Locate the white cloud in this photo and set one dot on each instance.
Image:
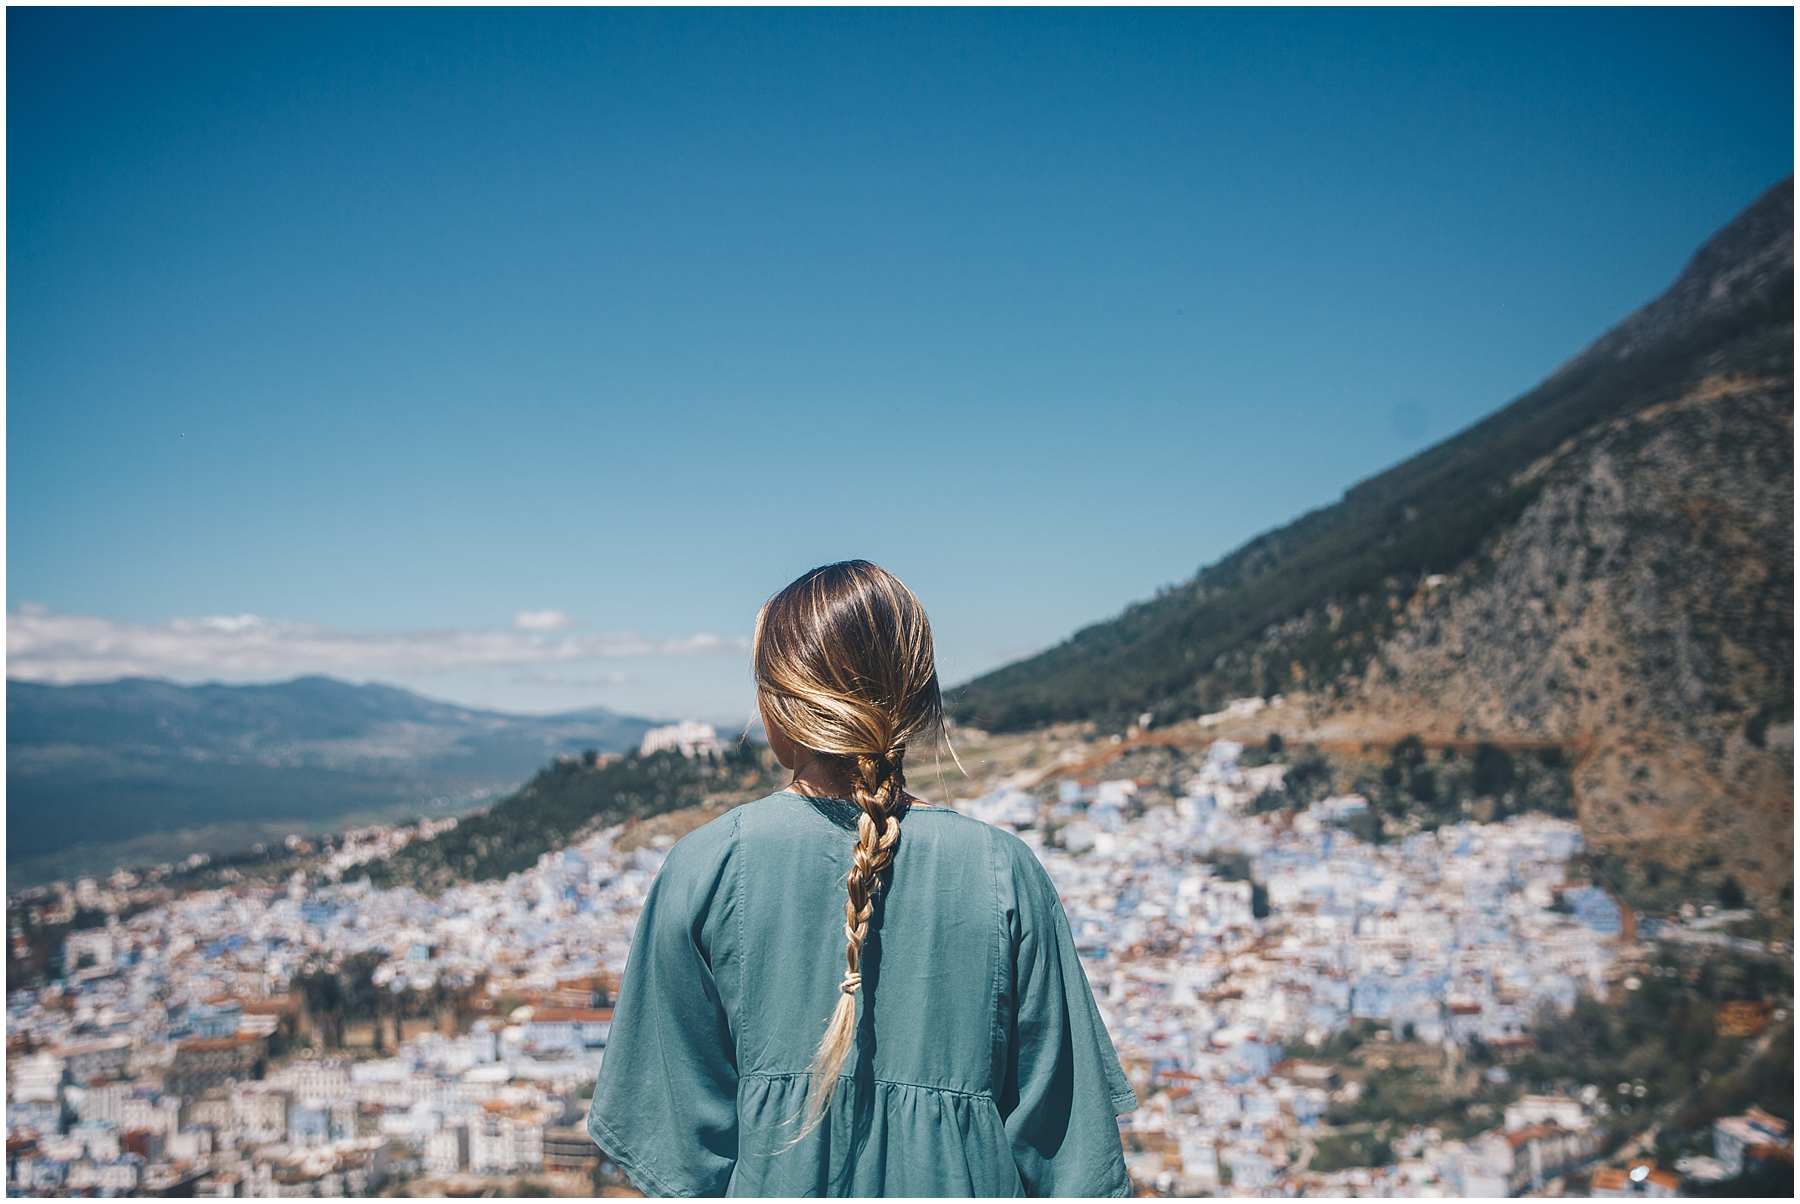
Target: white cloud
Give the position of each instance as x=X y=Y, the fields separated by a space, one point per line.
x=542 y=620
x=230 y=623
x=45 y=646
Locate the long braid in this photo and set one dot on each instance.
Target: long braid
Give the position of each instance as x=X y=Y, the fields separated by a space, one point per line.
x=878 y=786
x=845 y=673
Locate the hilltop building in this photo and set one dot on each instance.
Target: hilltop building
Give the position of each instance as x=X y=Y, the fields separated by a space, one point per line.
x=688 y=738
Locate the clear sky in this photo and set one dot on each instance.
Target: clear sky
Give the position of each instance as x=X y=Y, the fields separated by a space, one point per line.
x=517 y=356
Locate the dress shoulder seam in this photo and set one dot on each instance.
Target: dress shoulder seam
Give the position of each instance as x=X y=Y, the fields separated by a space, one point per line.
x=998 y=1055
x=742 y=871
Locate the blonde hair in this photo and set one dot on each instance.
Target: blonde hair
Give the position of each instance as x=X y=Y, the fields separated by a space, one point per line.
x=844 y=665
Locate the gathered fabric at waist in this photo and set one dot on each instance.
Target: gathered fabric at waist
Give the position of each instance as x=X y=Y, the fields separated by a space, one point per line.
x=878 y=1138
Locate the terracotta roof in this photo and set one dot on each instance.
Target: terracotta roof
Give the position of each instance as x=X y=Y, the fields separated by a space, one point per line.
x=1767 y=1120
x=1519 y=1137
x=276 y=1005
x=576 y=1015
x=213 y=1044
x=1613 y=1178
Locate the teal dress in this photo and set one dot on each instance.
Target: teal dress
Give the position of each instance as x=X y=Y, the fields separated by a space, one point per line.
x=981 y=1065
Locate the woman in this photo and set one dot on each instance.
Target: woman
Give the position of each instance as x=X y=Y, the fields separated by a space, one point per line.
x=942 y=1041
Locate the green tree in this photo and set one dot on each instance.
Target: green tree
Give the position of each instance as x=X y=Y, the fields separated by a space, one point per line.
x=1494 y=770
x=1731 y=894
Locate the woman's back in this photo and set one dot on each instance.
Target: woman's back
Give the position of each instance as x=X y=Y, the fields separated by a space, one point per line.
x=980 y=1065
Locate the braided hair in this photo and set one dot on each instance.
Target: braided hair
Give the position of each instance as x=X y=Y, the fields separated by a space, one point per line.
x=845 y=667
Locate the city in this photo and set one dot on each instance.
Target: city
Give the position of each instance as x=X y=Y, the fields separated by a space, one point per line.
x=1240 y=956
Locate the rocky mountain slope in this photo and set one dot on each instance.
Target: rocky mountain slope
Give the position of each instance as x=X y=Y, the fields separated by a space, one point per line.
x=1606 y=562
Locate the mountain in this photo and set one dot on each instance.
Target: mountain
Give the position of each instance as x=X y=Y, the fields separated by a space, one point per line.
x=1606 y=562
x=145 y=769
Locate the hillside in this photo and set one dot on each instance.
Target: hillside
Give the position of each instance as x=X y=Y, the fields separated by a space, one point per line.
x=1605 y=562
x=145 y=769
x=564 y=799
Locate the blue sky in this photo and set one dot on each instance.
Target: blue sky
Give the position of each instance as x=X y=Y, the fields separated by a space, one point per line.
x=515 y=357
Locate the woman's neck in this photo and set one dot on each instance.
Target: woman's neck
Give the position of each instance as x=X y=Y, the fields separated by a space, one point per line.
x=815 y=780
x=821 y=780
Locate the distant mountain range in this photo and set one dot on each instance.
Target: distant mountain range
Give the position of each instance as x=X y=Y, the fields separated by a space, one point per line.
x=143 y=769
x=1606 y=562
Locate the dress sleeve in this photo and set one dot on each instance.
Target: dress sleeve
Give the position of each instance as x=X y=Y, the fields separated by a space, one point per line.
x=665 y=1103
x=1065 y=1088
